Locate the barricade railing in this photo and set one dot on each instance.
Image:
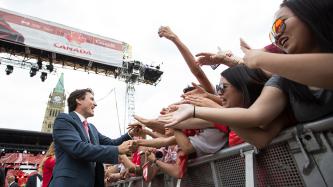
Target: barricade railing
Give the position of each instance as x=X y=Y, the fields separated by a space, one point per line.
x=300 y=156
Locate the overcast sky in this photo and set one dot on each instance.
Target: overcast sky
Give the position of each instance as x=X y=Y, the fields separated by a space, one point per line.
x=202 y=25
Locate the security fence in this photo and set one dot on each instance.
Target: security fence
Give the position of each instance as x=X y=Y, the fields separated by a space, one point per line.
x=299 y=156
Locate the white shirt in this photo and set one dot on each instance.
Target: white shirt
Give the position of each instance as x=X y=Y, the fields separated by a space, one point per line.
x=82 y=119
x=80 y=116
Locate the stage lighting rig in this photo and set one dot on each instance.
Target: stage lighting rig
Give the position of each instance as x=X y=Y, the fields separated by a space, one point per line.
x=50 y=67
x=40 y=63
x=9 y=69
x=33 y=71
x=43 y=76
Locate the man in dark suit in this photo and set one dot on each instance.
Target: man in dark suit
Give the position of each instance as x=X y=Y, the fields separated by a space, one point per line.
x=80 y=149
x=34 y=180
x=11 y=181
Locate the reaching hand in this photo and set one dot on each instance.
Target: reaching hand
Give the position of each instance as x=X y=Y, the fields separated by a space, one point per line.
x=135 y=129
x=244 y=44
x=171 y=108
x=167 y=33
x=142 y=120
x=250 y=55
x=125 y=174
x=181 y=113
x=222 y=57
x=127 y=146
x=150 y=154
x=198 y=91
x=201 y=101
x=136 y=125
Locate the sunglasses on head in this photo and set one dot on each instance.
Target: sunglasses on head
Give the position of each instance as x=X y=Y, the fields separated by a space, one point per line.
x=278 y=28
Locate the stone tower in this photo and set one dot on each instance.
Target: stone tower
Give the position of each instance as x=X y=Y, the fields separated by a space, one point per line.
x=55 y=105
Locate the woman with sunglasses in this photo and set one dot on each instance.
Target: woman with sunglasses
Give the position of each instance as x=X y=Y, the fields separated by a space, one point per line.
x=306 y=32
x=303 y=28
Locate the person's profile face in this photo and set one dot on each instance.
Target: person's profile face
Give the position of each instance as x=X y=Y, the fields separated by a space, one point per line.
x=230 y=96
x=87 y=105
x=293 y=36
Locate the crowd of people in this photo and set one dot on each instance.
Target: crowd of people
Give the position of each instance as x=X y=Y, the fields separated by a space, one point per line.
x=39 y=178
x=287 y=82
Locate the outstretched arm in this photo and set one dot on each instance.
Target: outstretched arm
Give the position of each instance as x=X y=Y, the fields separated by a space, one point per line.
x=184 y=142
x=150 y=123
x=222 y=57
x=193 y=123
x=266 y=108
x=173 y=170
x=188 y=57
x=261 y=137
x=315 y=69
x=199 y=91
x=157 y=142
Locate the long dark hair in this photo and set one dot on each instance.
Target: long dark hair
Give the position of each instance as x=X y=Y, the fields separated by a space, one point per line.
x=318 y=16
x=248 y=81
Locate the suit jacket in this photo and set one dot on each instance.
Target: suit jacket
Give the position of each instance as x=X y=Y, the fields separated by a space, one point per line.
x=32 y=180
x=14 y=185
x=79 y=161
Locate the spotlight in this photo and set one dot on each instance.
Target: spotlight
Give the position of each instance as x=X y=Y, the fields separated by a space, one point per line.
x=25 y=151
x=9 y=69
x=43 y=152
x=152 y=75
x=33 y=71
x=2 y=152
x=43 y=76
x=40 y=63
x=49 y=67
x=136 y=68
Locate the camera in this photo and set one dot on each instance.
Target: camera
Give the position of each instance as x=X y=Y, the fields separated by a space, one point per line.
x=159 y=154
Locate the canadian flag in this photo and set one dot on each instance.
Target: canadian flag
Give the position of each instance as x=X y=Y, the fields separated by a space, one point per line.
x=145 y=171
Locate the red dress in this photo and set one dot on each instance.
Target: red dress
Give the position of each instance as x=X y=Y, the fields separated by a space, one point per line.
x=47 y=170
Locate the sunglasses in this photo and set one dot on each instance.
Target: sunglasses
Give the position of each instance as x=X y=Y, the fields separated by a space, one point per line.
x=220 y=89
x=278 y=28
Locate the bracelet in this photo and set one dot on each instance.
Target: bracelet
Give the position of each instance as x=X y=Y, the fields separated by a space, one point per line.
x=193 y=111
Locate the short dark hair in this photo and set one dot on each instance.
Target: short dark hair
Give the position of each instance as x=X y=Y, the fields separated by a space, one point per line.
x=77 y=94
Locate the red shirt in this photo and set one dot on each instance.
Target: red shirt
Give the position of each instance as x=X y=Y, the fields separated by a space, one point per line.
x=47 y=170
x=136 y=158
x=221 y=128
x=191 y=132
x=234 y=139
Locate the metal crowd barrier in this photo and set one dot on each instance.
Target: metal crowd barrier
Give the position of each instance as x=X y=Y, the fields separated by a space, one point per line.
x=299 y=156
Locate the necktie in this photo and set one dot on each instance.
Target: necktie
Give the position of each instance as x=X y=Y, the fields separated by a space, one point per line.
x=85 y=125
